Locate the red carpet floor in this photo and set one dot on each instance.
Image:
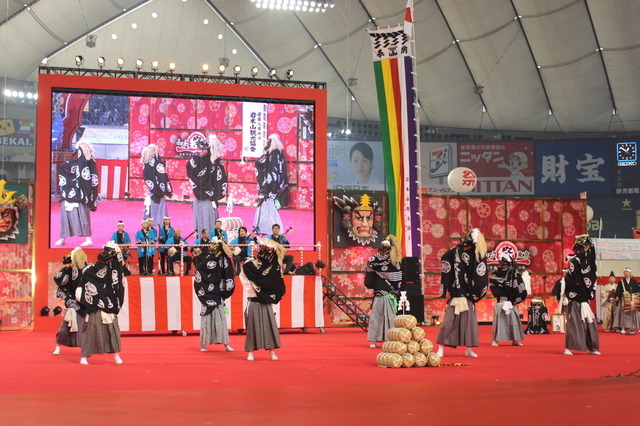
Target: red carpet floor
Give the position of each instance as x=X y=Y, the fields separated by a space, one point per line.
x=319 y=379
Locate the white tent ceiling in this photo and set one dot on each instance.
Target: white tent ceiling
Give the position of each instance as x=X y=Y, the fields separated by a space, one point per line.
x=540 y=66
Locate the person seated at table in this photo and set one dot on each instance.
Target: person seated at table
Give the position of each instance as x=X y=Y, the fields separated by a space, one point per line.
x=242 y=251
x=220 y=233
x=178 y=247
x=200 y=253
x=121 y=237
x=282 y=240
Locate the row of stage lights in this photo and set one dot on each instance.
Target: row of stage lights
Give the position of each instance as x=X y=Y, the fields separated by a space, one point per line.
x=171 y=67
x=8 y=93
x=295 y=5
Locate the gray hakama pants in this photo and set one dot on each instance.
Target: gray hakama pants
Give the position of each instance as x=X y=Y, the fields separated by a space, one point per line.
x=266 y=216
x=380 y=319
x=626 y=320
x=65 y=337
x=204 y=215
x=459 y=330
x=262 y=328
x=581 y=335
x=75 y=223
x=213 y=328
x=506 y=326
x=158 y=211
x=100 y=338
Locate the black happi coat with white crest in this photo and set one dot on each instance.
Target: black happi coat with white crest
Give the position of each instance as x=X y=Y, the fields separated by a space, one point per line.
x=208 y=178
x=214 y=281
x=78 y=181
x=68 y=279
x=156 y=179
x=507 y=282
x=103 y=287
x=462 y=275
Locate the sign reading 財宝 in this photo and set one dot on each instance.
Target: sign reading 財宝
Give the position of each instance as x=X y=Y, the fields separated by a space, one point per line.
x=565 y=167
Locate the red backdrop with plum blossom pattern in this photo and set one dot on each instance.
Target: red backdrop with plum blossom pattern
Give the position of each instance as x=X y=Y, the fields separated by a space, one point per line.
x=545 y=227
x=165 y=120
x=16 y=274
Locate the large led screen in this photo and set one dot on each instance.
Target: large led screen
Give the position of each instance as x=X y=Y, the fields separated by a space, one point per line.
x=152 y=150
x=111 y=150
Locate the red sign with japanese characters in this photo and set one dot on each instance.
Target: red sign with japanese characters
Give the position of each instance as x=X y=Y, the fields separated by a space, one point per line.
x=503 y=168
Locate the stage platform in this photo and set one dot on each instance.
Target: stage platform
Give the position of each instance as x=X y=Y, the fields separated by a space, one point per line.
x=170 y=304
x=319 y=379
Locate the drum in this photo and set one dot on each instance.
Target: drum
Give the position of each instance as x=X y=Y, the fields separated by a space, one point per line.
x=426 y=346
x=231 y=225
x=433 y=360
x=627 y=302
x=413 y=347
x=407 y=321
x=399 y=334
x=417 y=334
x=394 y=347
x=407 y=360
x=635 y=302
x=419 y=359
x=386 y=359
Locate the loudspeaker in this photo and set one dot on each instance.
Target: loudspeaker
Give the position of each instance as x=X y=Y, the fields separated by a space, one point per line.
x=306 y=269
x=412 y=289
x=411 y=270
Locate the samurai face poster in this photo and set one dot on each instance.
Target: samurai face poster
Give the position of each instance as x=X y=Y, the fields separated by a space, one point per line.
x=13 y=212
x=359 y=218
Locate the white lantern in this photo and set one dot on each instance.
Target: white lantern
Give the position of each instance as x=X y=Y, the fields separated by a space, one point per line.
x=462 y=179
x=589 y=213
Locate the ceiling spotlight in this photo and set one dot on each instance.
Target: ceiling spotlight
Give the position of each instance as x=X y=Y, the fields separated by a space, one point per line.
x=289 y=74
x=273 y=72
x=79 y=60
x=221 y=68
x=154 y=65
x=236 y=69
x=205 y=69
x=101 y=61
x=254 y=71
x=172 y=66
x=139 y=63
x=120 y=62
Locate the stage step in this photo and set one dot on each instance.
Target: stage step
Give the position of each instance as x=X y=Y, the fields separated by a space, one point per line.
x=346 y=305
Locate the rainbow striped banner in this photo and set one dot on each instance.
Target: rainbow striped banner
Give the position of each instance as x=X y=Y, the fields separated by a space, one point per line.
x=395 y=82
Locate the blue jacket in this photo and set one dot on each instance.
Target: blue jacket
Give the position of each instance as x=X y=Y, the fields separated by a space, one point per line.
x=164 y=236
x=214 y=233
x=150 y=238
x=126 y=239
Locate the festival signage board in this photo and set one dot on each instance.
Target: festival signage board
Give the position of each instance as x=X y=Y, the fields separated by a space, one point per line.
x=437 y=159
x=565 y=167
x=503 y=168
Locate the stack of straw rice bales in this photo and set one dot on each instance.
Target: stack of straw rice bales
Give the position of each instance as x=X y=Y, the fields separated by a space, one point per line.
x=407 y=346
